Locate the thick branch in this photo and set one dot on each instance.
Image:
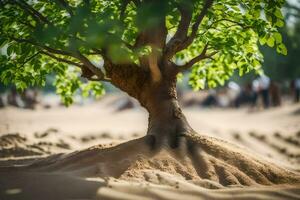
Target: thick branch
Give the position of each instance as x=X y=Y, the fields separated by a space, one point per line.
x=200 y=17
x=188 y=40
x=186 y=17
x=86 y=62
x=182 y=29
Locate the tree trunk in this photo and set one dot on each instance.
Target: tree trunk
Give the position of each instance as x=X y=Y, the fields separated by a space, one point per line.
x=166 y=122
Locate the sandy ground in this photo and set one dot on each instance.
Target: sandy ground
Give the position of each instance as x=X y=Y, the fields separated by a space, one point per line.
x=31 y=136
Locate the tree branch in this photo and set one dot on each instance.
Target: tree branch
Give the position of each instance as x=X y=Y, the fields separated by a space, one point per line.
x=30 y=58
x=200 y=17
x=99 y=79
x=26 y=24
x=182 y=29
x=196 y=59
x=81 y=66
x=51 y=50
x=124 y=4
x=62 y=59
x=86 y=62
x=34 y=13
x=88 y=69
x=234 y=22
x=66 y=6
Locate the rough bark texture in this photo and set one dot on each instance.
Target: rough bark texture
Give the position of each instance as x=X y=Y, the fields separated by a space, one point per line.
x=166 y=121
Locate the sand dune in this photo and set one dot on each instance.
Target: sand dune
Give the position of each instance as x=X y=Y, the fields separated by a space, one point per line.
x=133 y=171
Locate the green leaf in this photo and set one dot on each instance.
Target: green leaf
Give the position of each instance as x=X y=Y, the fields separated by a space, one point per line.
x=278 y=13
x=270 y=42
x=262 y=40
x=278 y=37
x=281 y=48
x=279 y=23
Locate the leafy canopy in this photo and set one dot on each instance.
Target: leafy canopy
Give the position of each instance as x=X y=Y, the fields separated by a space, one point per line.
x=71 y=38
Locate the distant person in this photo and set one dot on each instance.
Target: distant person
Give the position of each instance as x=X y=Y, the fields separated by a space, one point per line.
x=223 y=99
x=245 y=96
x=275 y=94
x=255 y=92
x=264 y=85
x=233 y=92
x=297 y=90
x=29 y=98
x=211 y=99
x=12 y=98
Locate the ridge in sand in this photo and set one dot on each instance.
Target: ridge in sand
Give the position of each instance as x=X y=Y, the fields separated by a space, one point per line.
x=211 y=169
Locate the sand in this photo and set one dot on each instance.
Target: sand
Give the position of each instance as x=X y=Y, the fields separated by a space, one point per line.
x=50 y=154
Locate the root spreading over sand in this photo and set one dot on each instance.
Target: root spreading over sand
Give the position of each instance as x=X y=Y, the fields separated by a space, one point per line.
x=208 y=158
x=133 y=171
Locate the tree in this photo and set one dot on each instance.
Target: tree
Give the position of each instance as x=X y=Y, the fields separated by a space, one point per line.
x=141 y=43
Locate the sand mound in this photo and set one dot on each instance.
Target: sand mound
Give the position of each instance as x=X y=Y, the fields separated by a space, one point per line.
x=205 y=158
x=133 y=171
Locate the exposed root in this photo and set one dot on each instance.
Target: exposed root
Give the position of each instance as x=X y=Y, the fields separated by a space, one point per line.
x=201 y=159
x=233 y=165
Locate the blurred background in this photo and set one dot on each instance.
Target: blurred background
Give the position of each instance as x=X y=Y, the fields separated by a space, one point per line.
x=259 y=112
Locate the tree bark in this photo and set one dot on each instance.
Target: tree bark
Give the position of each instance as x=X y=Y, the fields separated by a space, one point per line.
x=166 y=121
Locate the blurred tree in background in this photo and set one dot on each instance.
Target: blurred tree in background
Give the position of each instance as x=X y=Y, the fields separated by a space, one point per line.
x=280 y=67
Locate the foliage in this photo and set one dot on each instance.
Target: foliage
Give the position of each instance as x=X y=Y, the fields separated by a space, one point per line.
x=280 y=67
x=67 y=84
x=42 y=37
x=235 y=30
